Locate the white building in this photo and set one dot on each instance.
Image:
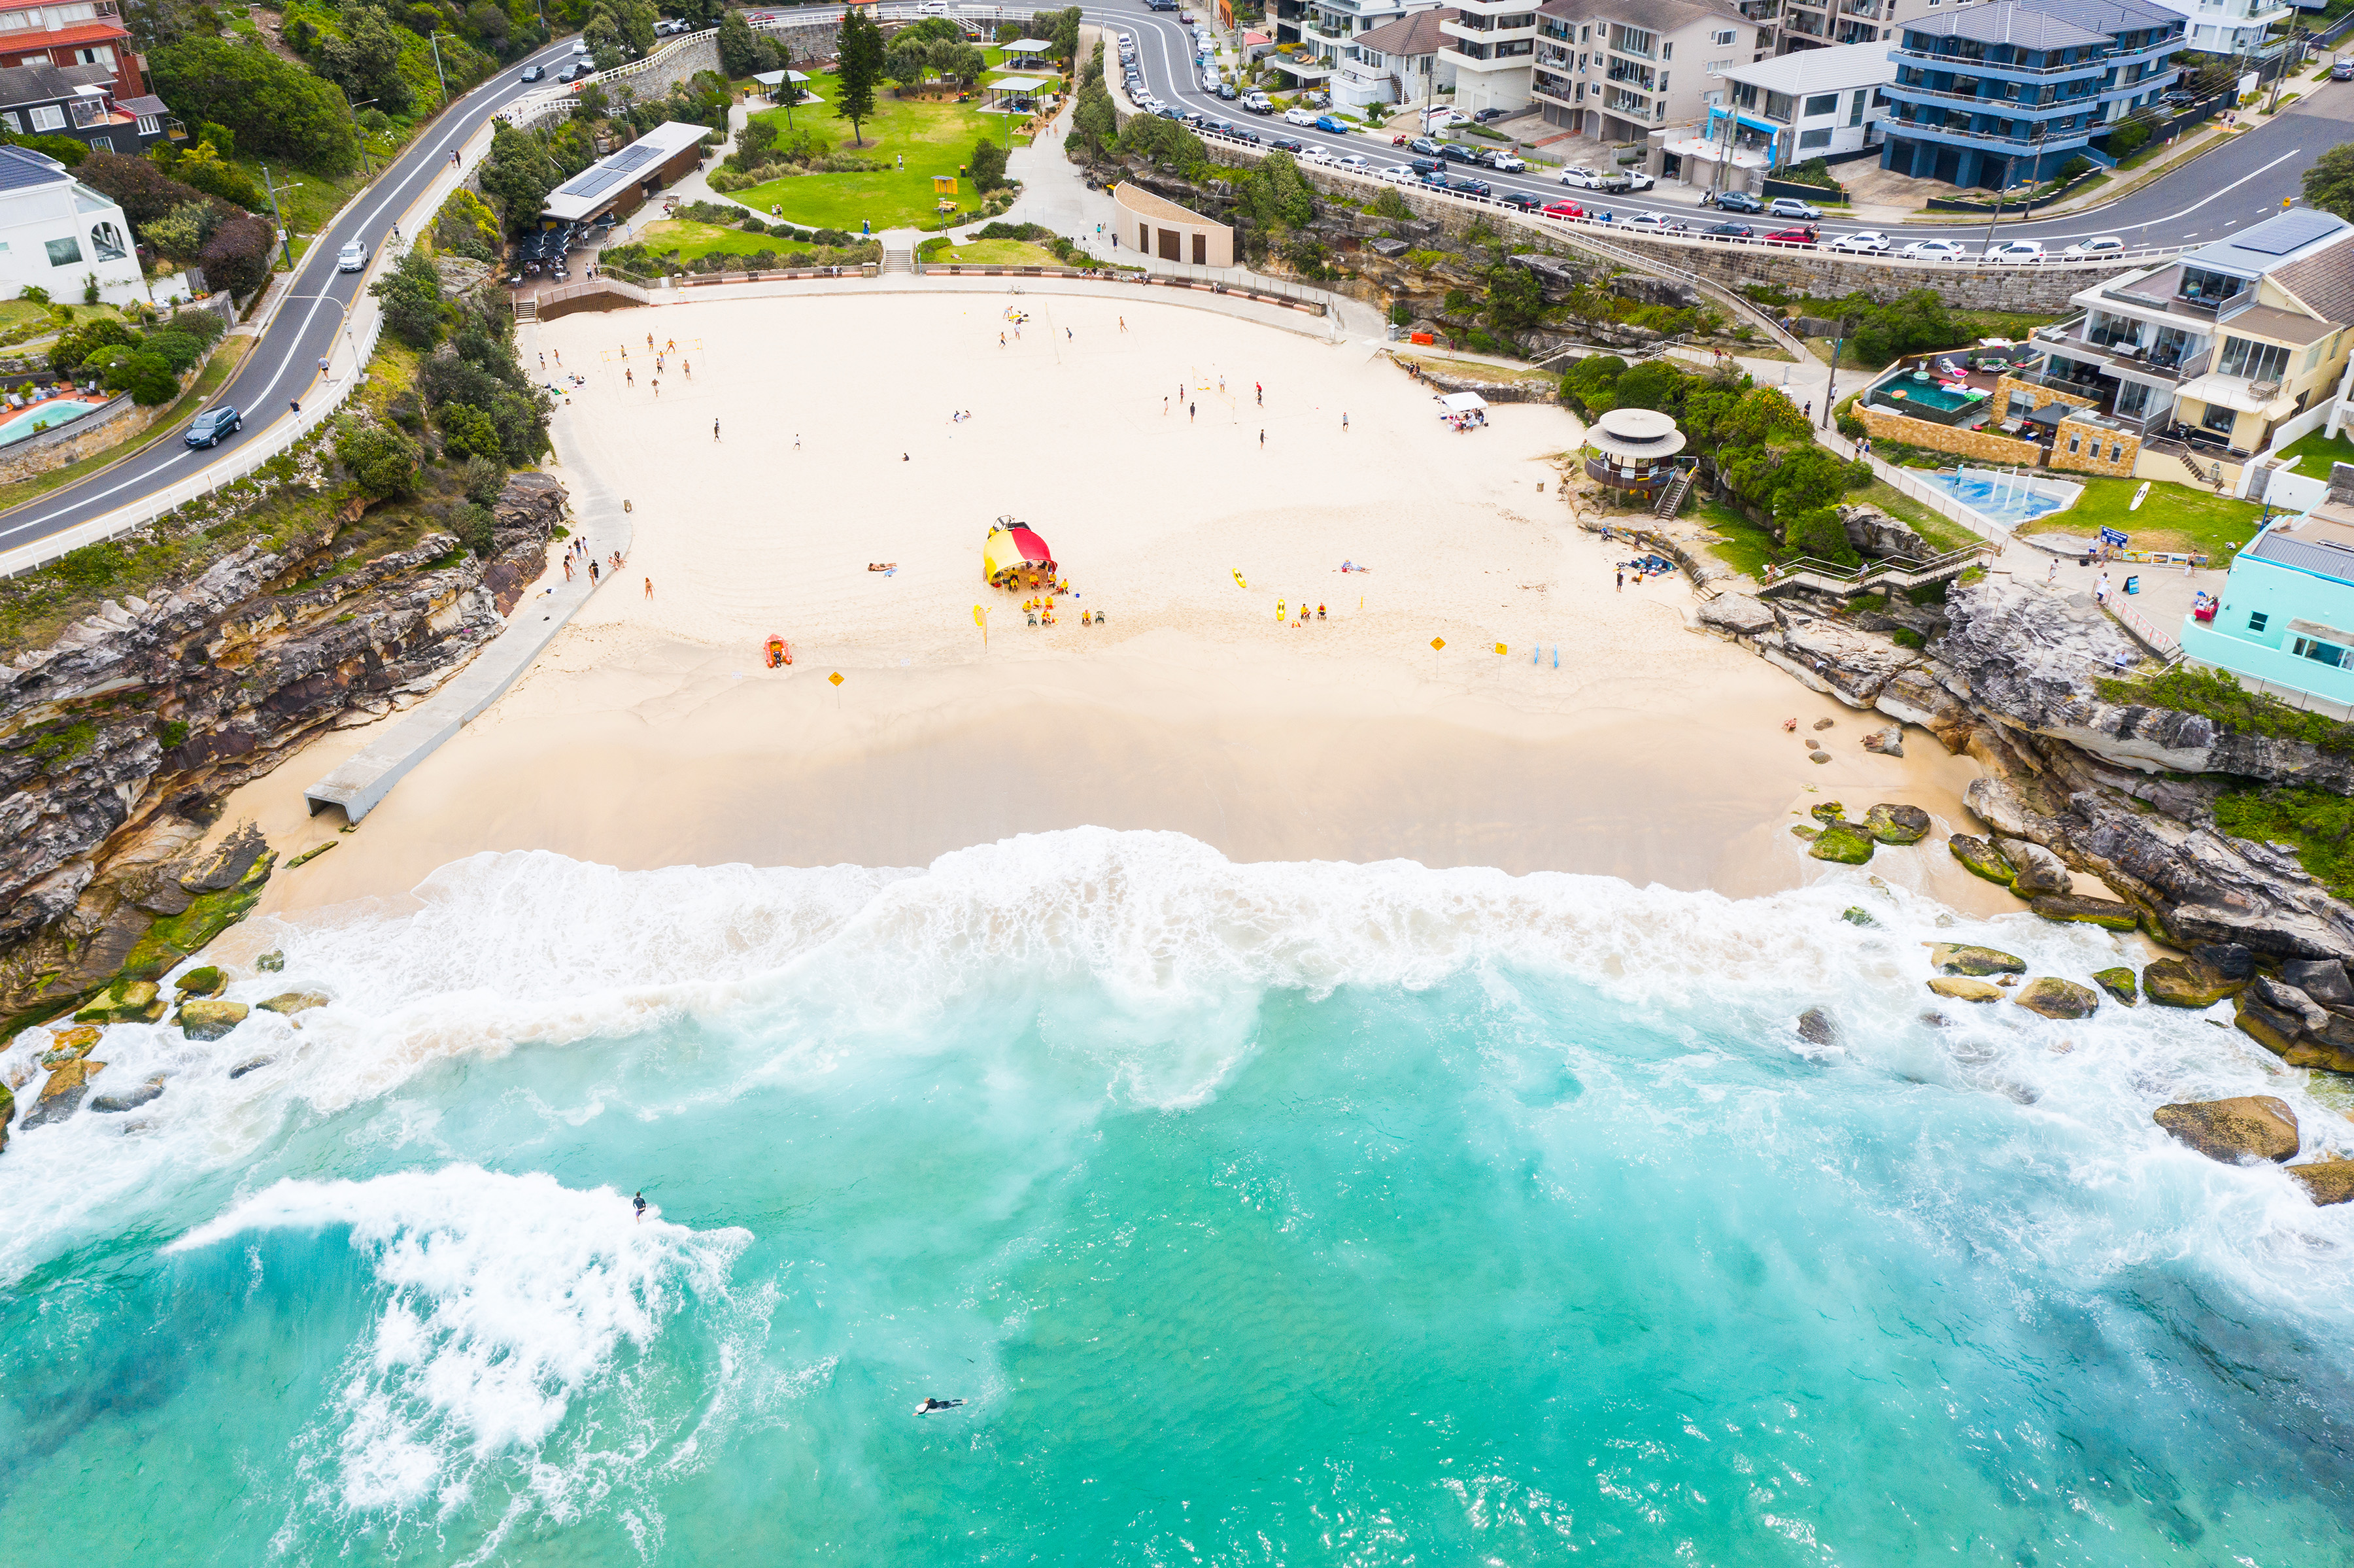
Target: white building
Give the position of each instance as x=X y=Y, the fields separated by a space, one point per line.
x=1620 y=69
x=2227 y=27
x=1326 y=30
x=1813 y=103
x=1397 y=62
x=58 y=234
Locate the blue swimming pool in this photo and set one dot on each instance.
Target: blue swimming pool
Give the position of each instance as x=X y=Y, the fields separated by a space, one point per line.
x=45 y=417
x=2009 y=498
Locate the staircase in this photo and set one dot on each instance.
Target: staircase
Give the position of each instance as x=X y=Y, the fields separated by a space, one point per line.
x=898 y=261
x=526 y=307
x=2198 y=473
x=1672 y=498
x=1897 y=572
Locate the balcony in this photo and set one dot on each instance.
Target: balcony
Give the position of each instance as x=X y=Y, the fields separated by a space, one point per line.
x=1491 y=56
x=2051 y=142
x=2119 y=355
x=1484 y=30
x=1761 y=10
x=2089 y=66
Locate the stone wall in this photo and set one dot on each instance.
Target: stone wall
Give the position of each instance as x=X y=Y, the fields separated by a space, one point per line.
x=2084 y=447
x=1977 y=444
x=90 y=433
x=654 y=75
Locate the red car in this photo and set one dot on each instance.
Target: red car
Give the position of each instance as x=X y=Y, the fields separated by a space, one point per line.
x=1806 y=235
x=1563 y=210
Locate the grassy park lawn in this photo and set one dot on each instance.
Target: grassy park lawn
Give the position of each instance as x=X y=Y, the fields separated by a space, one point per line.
x=1000 y=253
x=935 y=135
x=2314 y=453
x=693 y=240
x=2175 y=517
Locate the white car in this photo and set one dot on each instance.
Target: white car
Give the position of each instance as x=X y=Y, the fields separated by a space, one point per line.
x=1507 y=163
x=1398 y=174
x=1934 y=250
x=1298 y=117
x=2107 y=245
x=1637 y=180
x=1584 y=178
x=353 y=258
x=1209 y=81
x=2014 y=251
x=1356 y=161
x=1791 y=207
x=1863 y=242
x=1657 y=222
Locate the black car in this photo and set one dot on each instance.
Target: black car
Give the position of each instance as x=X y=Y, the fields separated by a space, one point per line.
x=1519 y=199
x=1729 y=230
x=1239 y=134
x=1739 y=201
x=575 y=70
x=1455 y=155
x=212 y=424
x=1487 y=114
x=1426 y=166
x=1289 y=145
x=1467 y=187
x=532 y=73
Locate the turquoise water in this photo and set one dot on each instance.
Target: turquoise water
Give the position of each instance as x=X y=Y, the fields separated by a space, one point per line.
x=2001 y=495
x=1928 y=393
x=1313 y=1213
x=47 y=416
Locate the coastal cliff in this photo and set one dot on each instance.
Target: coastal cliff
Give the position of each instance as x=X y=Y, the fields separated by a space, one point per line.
x=119 y=738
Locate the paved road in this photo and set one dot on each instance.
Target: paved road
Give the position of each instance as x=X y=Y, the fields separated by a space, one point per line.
x=2230 y=186
x=285 y=365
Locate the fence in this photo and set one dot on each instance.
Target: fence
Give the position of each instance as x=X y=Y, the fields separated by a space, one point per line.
x=365 y=322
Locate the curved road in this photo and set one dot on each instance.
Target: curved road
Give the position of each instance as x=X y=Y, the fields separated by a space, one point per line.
x=284 y=364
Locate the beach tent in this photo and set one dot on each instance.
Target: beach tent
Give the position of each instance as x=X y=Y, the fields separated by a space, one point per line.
x=1012 y=548
x=1463 y=402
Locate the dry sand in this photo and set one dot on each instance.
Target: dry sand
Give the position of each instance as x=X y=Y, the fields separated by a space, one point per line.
x=1606 y=738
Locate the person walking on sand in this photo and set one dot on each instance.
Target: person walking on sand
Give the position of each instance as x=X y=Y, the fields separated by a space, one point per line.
x=650 y=587
x=1164 y=407
x=1191 y=410
x=1123 y=324
x=715 y=429
x=1262 y=440
x=1261 y=390
x=1344 y=424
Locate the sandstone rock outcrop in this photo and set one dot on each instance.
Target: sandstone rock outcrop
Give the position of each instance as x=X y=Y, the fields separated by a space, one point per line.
x=2235 y=1130
x=2056 y=998
x=1963 y=958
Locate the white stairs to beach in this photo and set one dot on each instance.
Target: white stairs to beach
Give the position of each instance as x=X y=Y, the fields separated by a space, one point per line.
x=898 y=261
x=526 y=307
x=1673 y=496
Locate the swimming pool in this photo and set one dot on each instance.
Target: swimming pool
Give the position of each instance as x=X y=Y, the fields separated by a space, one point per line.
x=1928 y=393
x=47 y=416
x=2006 y=497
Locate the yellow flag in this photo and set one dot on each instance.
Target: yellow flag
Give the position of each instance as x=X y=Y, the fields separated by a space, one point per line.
x=1438 y=642
x=836 y=677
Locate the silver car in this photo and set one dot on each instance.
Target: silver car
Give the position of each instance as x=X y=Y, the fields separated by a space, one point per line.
x=353 y=258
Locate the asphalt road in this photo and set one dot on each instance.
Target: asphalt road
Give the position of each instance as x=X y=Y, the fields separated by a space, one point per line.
x=2228 y=187
x=285 y=365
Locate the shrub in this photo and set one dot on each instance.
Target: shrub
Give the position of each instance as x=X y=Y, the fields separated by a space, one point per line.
x=273 y=107
x=474 y=528
x=181 y=233
x=202 y=168
x=1818 y=533
x=33 y=294
x=468 y=431
x=484 y=479
x=236 y=260
x=78 y=344
x=411 y=295
x=205 y=325
x=146 y=377
x=2128 y=138
x=382 y=462
x=987 y=164
x=175 y=349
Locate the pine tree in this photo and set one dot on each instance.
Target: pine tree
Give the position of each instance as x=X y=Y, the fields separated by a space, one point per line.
x=861 y=67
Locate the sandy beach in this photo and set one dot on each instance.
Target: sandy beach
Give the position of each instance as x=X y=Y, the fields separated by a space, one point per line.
x=1606 y=738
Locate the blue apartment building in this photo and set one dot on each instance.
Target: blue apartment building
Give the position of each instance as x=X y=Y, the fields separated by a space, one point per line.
x=1993 y=95
x=2286 y=621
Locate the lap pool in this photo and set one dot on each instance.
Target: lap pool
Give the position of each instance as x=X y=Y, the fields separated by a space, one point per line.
x=2006 y=497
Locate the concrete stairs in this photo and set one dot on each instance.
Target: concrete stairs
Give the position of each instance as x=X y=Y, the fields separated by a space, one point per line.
x=898 y=260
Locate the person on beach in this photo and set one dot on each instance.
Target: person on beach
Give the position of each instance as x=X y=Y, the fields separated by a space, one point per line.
x=715 y=429
x=629 y=375
x=1261 y=391
x=639 y=1202
x=1164 y=407
x=1123 y=324
x=1622 y=580
x=1190 y=409
x=1262 y=440
x=650 y=587
x=592 y=574
x=1344 y=424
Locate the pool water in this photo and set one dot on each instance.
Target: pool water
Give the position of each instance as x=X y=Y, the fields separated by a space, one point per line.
x=47 y=416
x=2004 y=497
x=1928 y=393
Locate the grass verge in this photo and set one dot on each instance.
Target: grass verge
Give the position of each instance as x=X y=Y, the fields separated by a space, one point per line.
x=2315 y=452
x=215 y=375
x=2174 y=517
x=1000 y=253
x=2317 y=822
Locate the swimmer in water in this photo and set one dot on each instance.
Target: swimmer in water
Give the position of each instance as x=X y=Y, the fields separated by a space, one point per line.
x=929 y=1406
x=641 y=1206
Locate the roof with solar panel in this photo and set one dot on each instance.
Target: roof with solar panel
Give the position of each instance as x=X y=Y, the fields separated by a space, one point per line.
x=604 y=182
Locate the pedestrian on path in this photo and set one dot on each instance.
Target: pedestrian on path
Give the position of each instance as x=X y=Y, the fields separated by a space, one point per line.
x=294 y=403
x=715 y=429
x=1164 y=407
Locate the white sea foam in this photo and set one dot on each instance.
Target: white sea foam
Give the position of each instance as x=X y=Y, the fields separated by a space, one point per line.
x=504 y=1300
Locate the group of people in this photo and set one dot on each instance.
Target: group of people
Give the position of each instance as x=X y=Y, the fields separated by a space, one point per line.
x=1302 y=618
x=577 y=556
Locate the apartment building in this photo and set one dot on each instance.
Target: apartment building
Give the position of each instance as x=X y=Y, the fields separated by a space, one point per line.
x=78 y=33
x=1397 y=62
x=1618 y=70
x=2217 y=348
x=2228 y=26
x=2012 y=90
x=1825 y=24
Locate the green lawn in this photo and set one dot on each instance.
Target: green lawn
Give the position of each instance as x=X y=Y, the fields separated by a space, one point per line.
x=2175 y=517
x=693 y=240
x=1745 y=546
x=2316 y=452
x=1000 y=253
x=1939 y=532
x=933 y=135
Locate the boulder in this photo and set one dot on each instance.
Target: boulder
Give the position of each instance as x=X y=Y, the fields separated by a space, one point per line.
x=2119 y=983
x=2331 y=1048
x=62 y=1094
x=291 y=1003
x=2039 y=871
x=126 y=1001
x=1816 y=1028
x=70 y=1044
x=130 y=1100
x=1962 y=990
x=2244 y=1128
x=205 y=981
x=2229 y=959
x=2324 y=980
x=1842 y=843
x=1818 y=757
x=1827 y=812
x=1961 y=959
x=1888 y=741
x=1802 y=831
x=1875 y=533
x=250 y=1064
x=1981 y=858
x=2106 y=912
x=1672 y=292
x=2172 y=983
x=2326 y=1182
x=1837 y=659
x=7 y=1113
x=2056 y=998
x=1894 y=824
x=1857 y=915
x=1737 y=616
x=271 y=962
x=208 y=1020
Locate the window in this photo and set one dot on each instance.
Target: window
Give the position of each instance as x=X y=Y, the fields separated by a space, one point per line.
x=2218 y=419
x=2256 y=361
x=1822 y=103
x=8 y=118
x=1667 y=51
x=2116 y=451
x=106 y=242
x=2321 y=653
x=1633 y=41
x=2256 y=622
x=1718 y=67
x=64 y=252
x=2074 y=443
x=1721 y=39
x=1814 y=138
x=1855 y=110
x=48 y=117
x=101 y=143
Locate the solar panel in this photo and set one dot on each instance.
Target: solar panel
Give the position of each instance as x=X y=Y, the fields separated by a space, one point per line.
x=2289 y=231
x=593 y=182
x=637 y=154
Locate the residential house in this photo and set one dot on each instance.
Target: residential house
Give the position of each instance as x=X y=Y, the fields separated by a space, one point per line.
x=1618 y=70
x=79 y=101
x=1814 y=103
x=2285 y=619
x=1998 y=94
x=2210 y=353
x=2229 y=27
x=1325 y=30
x=75 y=33
x=1397 y=62
x=60 y=234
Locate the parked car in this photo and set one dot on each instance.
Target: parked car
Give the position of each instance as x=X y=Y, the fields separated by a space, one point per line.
x=1257 y=103
x=2014 y=251
x=1487 y=114
x=1442 y=119
x=1289 y=145
x=2342 y=70
x=353 y=258
x=1295 y=116
x=1578 y=174
x=1167 y=110
x=1226 y=90
x=1161 y=4
x=579 y=46
x=1209 y=81
x=1330 y=126
x=1637 y=180
x=1791 y=207
x=1356 y=161
x=1396 y=173
x=1467 y=187
x=1455 y=155
x=1737 y=201
x=214 y=423
x=1794 y=237
x=1657 y=222
x=1863 y=242
x=1509 y=163
x=1934 y=250
x=1563 y=210
x=1427 y=166
x=532 y=73
x=1520 y=200
x=576 y=71
x=1729 y=231
x=2107 y=244
x=1423 y=145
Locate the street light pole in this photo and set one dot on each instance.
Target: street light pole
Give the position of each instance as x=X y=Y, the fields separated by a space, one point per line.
x=285 y=235
x=435 y=39
x=346 y=312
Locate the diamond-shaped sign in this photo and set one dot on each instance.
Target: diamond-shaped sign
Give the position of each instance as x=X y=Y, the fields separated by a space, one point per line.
x=1438 y=642
x=836 y=677
x=1500 y=648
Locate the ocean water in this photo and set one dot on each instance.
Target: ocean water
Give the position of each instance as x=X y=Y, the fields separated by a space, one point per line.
x=1306 y=1213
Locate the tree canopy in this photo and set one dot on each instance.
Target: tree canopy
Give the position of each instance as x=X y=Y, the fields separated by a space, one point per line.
x=2329 y=181
x=274 y=107
x=860 y=57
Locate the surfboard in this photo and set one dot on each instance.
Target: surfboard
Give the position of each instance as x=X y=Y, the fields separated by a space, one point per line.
x=2139 y=497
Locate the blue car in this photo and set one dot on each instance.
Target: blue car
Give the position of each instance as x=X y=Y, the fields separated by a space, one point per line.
x=1326 y=122
x=212 y=424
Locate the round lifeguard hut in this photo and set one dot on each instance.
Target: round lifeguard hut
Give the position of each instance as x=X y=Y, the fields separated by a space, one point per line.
x=1633 y=451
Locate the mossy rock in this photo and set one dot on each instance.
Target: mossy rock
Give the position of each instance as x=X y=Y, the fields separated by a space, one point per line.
x=271 y=962
x=1962 y=959
x=126 y=1001
x=289 y=1002
x=2170 y=982
x=2056 y=998
x=209 y=1020
x=2247 y=1126
x=1980 y=858
x=2119 y=983
x=8 y=1112
x=1962 y=988
x=205 y=981
x=1857 y=915
x=1800 y=829
x=62 y=1094
x=70 y=1044
x=2106 y=912
x=1843 y=843
x=1895 y=824
x=172 y=939
x=1827 y=812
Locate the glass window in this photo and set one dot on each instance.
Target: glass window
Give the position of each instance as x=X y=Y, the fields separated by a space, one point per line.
x=2218 y=419
x=64 y=252
x=1721 y=38
x=2320 y=653
x=1822 y=103
x=2256 y=622
x=8 y=117
x=1814 y=138
x=2256 y=361
x=106 y=242
x=48 y=117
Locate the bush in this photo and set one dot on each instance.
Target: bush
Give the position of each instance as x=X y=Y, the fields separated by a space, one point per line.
x=203 y=325
x=1818 y=533
x=474 y=527
x=468 y=431
x=146 y=377
x=76 y=345
x=175 y=349
x=382 y=462
x=64 y=149
x=236 y=260
x=2128 y=138
x=484 y=479
x=272 y=106
x=180 y=234
x=988 y=165
x=203 y=169
x=412 y=295
x=33 y=294
x=139 y=187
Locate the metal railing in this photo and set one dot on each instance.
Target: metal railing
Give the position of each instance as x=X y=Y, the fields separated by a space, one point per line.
x=1903 y=571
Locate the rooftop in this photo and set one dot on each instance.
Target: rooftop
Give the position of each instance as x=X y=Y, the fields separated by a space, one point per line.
x=1415 y=34
x=20 y=169
x=2008 y=24
x=1651 y=15
x=1136 y=198
x=37 y=81
x=2320 y=542
x=593 y=187
x=1833 y=69
x=2279 y=242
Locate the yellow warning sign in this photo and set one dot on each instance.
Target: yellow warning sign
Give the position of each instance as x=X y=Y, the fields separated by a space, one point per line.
x=1438 y=642
x=836 y=677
